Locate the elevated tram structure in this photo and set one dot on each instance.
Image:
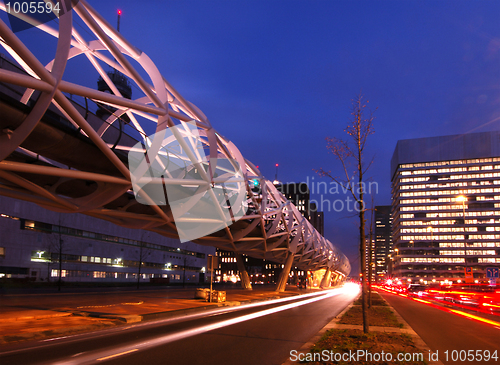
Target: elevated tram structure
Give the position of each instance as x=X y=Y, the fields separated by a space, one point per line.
x=55 y=152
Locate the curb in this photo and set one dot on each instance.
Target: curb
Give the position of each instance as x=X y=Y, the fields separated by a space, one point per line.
x=41 y=316
x=180 y=312
x=40 y=335
x=127 y=318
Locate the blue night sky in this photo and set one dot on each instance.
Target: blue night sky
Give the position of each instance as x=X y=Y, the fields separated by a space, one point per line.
x=277 y=77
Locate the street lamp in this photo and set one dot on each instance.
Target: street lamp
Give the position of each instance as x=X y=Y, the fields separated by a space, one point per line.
x=462 y=199
x=431 y=244
x=431 y=231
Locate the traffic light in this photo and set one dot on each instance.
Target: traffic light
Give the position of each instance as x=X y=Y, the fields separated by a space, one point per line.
x=255 y=186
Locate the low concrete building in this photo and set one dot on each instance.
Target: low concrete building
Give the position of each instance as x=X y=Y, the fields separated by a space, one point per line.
x=32 y=239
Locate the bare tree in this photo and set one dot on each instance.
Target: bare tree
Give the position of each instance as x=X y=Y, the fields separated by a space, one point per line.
x=187 y=261
x=46 y=254
x=143 y=253
x=60 y=258
x=370 y=254
x=351 y=152
x=54 y=249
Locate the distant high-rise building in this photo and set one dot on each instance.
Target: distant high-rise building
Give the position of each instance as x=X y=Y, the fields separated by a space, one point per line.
x=317 y=219
x=383 y=241
x=298 y=194
x=446 y=207
x=370 y=249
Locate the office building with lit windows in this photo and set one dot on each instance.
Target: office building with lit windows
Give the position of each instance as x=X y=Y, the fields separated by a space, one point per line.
x=446 y=207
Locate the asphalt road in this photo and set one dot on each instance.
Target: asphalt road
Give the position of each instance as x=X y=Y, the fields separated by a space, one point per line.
x=447 y=332
x=263 y=334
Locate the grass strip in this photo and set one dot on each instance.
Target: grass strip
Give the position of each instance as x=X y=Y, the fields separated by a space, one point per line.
x=353 y=347
x=376 y=300
x=377 y=316
x=364 y=349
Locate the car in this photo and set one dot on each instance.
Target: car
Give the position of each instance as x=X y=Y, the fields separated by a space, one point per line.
x=416 y=290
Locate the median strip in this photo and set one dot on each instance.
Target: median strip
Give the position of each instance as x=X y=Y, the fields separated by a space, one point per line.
x=342 y=341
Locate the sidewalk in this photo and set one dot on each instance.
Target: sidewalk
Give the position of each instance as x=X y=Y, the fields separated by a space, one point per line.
x=41 y=316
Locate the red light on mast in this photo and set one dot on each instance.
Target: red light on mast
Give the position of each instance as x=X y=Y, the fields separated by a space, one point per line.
x=118 y=20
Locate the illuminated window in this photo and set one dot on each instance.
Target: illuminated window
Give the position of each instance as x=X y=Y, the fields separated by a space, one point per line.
x=55 y=273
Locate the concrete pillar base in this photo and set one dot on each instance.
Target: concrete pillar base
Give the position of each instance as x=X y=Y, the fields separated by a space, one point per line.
x=245 y=279
x=283 y=279
x=325 y=281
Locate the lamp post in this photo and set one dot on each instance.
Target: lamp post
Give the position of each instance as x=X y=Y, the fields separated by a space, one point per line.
x=431 y=246
x=462 y=199
x=396 y=260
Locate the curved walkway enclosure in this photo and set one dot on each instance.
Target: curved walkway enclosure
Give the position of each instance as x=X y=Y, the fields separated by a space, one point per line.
x=55 y=152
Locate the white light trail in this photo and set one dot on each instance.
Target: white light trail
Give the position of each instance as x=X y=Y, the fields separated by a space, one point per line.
x=93 y=357
x=178 y=318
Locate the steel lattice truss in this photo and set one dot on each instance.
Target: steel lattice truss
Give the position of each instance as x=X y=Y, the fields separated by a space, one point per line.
x=81 y=166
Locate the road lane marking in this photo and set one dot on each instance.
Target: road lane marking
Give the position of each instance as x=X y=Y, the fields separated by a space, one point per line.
x=116 y=355
x=55 y=338
x=480 y=319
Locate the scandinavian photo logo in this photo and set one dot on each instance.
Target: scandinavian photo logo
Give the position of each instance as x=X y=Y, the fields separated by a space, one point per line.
x=174 y=167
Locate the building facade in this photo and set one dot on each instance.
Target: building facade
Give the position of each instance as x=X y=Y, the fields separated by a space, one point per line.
x=299 y=195
x=260 y=271
x=383 y=242
x=317 y=219
x=32 y=240
x=446 y=207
